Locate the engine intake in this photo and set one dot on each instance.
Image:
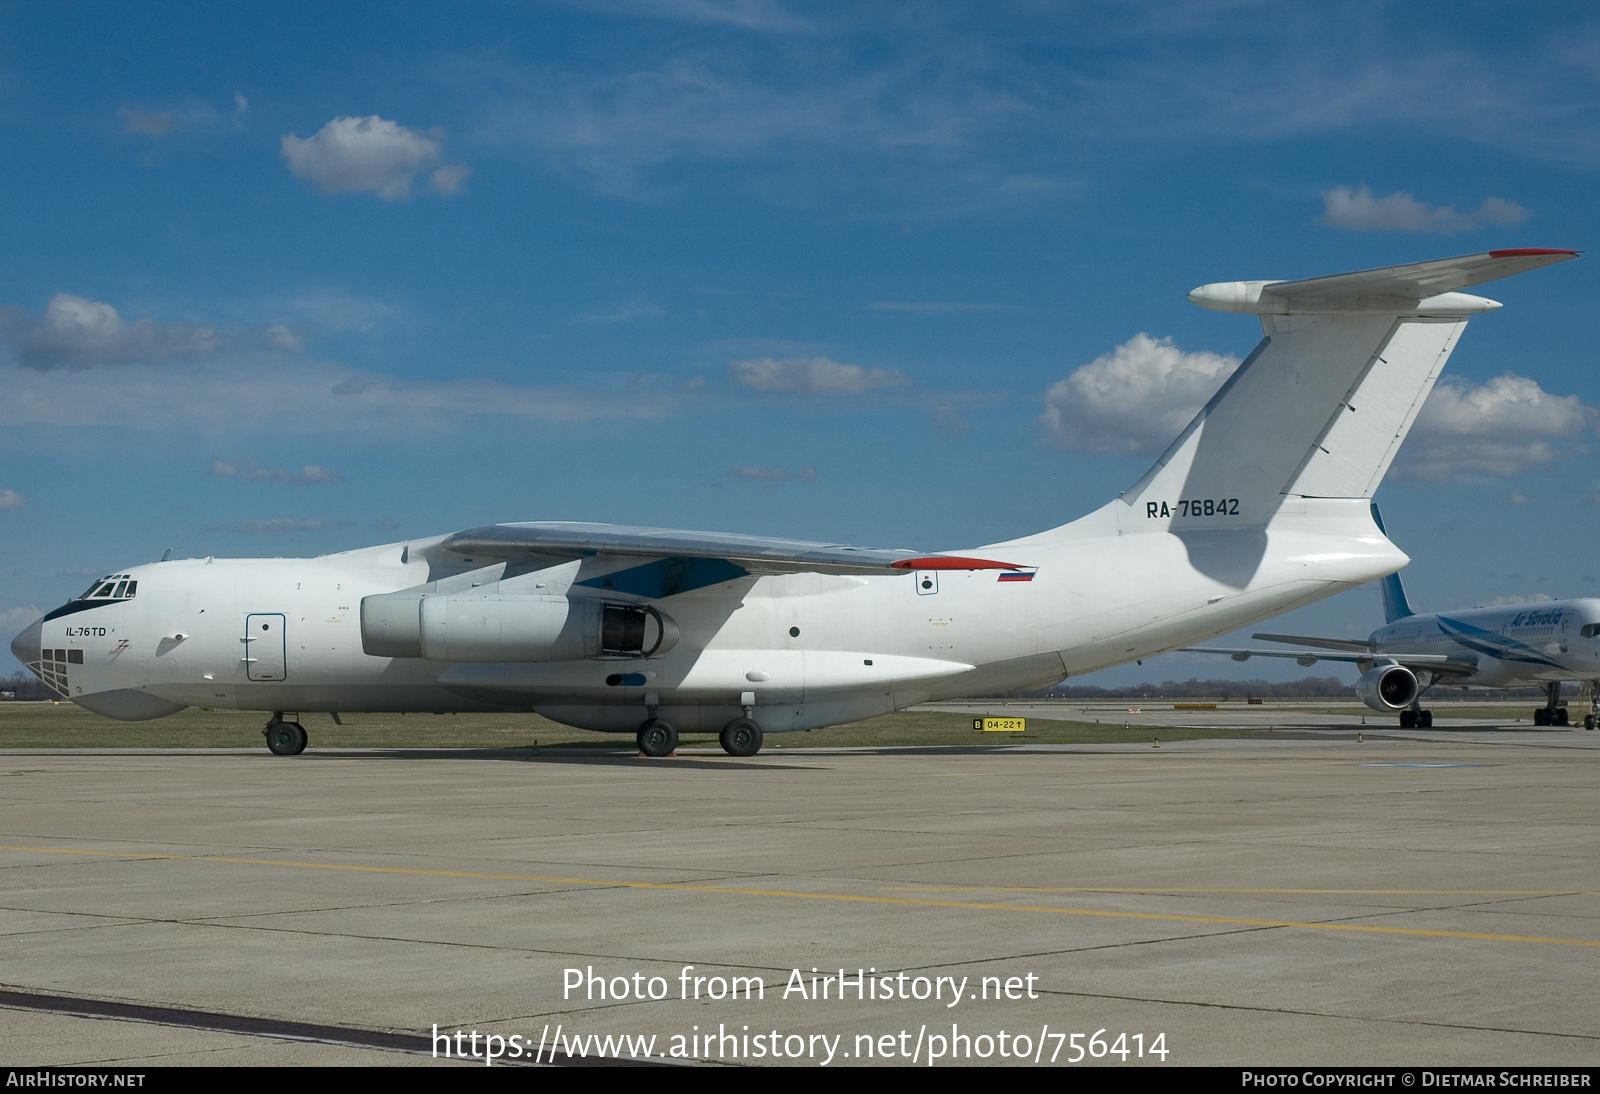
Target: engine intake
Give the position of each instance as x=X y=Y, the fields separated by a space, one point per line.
x=1388 y=688
x=497 y=627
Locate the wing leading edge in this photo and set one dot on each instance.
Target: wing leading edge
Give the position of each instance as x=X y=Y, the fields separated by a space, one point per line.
x=1439 y=664
x=755 y=554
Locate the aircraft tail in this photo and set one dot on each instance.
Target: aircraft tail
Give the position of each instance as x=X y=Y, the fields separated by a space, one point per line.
x=1395 y=605
x=1322 y=404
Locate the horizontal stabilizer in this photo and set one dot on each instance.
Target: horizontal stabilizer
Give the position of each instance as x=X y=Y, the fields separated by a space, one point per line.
x=1429 y=288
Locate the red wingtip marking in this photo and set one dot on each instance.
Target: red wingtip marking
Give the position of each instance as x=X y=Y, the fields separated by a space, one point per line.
x=1520 y=252
x=951 y=562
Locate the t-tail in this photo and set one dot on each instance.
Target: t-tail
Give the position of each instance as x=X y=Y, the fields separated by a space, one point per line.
x=1395 y=605
x=1322 y=404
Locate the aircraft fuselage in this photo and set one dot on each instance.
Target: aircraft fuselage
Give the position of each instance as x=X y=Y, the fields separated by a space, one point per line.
x=804 y=649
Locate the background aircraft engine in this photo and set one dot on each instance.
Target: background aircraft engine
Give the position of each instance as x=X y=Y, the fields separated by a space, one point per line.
x=1388 y=688
x=474 y=627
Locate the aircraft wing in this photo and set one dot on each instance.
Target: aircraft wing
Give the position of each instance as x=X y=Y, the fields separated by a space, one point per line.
x=1325 y=643
x=1426 y=662
x=754 y=554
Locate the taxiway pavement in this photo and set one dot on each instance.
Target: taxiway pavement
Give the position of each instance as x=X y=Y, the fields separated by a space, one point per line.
x=1411 y=899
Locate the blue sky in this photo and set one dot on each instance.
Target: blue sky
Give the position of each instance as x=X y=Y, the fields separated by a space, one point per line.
x=287 y=279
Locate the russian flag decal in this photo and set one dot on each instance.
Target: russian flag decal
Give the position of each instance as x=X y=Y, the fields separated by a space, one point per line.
x=1018 y=575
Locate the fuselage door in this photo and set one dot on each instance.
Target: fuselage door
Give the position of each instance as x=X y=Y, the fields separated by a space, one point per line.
x=264 y=647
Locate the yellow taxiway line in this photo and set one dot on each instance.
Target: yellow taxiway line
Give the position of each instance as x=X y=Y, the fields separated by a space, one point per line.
x=852 y=898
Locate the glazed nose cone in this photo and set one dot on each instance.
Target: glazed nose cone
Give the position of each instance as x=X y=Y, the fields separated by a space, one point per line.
x=25 y=646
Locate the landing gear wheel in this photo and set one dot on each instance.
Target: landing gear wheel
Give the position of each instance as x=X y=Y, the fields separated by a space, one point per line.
x=1424 y=719
x=742 y=737
x=1408 y=719
x=286 y=738
x=657 y=738
x=1588 y=721
x=1560 y=718
x=1541 y=717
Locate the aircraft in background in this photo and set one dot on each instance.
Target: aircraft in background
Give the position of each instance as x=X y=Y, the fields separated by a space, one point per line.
x=1540 y=643
x=1262 y=504
x=1536 y=643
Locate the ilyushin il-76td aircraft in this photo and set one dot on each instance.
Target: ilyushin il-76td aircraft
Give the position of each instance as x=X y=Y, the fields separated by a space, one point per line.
x=1260 y=505
x=1540 y=643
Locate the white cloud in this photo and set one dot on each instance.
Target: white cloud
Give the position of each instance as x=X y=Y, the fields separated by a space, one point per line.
x=948 y=421
x=279 y=336
x=759 y=15
x=145 y=122
x=623 y=313
x=773 y=475
x=1359 y=211
x=370 y=155
x=249 y=468
x=447 y=180
x=335 y=309
x=1133 y=400
x=10 y=499
x=281 y=524
x=230 y=398
x=811 y=376
x=77 y=333
x=13 y=620
x=1497 y=429
x=1531 y=598
x=781 y=117
x=950 y=307
x=192 y=116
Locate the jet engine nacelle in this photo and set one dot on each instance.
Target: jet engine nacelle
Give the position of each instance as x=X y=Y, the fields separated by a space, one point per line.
x=496 y=627
x=1388 y=688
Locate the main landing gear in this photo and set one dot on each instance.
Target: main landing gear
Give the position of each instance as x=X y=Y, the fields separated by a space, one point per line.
x=1551 y=714
x=741 y=737
x=285 y=738
x=1416 y=718
x=657 y=738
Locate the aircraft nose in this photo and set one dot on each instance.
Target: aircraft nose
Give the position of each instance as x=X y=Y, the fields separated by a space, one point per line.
x=25 y=646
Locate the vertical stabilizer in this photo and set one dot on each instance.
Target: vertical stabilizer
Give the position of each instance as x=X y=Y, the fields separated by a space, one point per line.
x=1395 y=605
x=1323 y=403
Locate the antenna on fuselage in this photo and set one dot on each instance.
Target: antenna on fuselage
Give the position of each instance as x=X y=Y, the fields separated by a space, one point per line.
x=167 y=556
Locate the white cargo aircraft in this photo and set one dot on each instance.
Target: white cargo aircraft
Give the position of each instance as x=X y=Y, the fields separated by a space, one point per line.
x=1540 y=643
x=1259 y=506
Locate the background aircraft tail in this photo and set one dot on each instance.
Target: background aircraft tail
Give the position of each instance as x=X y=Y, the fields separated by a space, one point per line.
x=1395 y=605
x=1322 y=404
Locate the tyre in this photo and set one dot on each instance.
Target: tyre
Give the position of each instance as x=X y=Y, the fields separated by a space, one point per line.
x=741 y=737
x=657 y=738
x=286 y=738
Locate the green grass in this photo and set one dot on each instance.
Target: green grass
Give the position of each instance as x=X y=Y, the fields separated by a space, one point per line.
x=64 y=725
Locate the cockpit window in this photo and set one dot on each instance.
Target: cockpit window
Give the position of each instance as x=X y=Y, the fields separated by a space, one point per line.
x=1590 y=630
x=111 y=587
